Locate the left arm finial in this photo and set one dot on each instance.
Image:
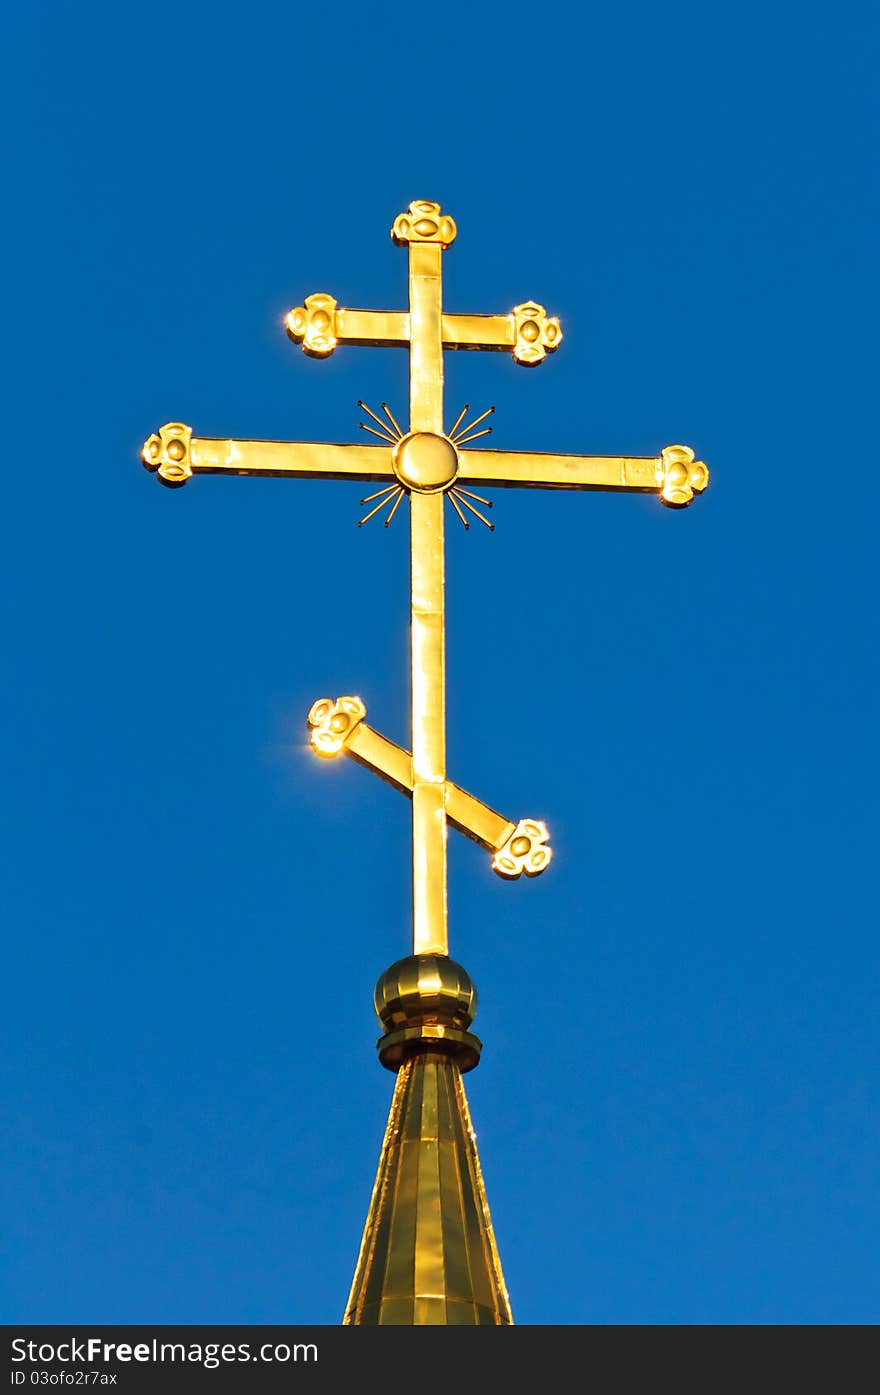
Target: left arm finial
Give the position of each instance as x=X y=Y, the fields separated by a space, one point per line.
x=169 y=453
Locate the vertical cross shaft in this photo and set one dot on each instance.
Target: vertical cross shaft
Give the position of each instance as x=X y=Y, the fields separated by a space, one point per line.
x=428 y=644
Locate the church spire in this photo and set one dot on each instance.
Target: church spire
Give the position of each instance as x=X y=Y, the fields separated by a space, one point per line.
x=428 y=1254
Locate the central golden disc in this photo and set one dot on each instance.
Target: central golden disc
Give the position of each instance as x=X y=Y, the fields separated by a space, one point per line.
x=425 y=462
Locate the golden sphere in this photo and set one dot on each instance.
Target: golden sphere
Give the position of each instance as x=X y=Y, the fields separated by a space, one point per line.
x=425 y=988
x=425 y=462
x=176 y=450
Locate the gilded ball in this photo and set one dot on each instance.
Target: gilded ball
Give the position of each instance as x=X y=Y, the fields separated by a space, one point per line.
x=425 y=988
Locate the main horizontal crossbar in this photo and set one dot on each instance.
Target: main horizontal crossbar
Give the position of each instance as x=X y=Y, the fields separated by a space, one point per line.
x=513 y=469
x=176 y=454
x=302 y=459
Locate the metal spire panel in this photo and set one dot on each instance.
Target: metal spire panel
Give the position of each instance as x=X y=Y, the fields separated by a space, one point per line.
x=428 y=1255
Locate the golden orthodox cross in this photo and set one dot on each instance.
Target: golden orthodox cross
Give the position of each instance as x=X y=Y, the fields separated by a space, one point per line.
x=426 y=463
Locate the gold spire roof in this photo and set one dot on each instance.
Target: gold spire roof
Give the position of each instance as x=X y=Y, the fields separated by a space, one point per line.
x=428 y=1254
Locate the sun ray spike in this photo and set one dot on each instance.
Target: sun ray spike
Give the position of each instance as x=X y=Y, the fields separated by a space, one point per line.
x=471 y=509
x=454 y=504
x=367 y=516
x=378 y=420
x=475 y=422
x=463 y=440
x=371 y=413
x=387 y=410
x=389 y=489
x=479 y=498
x=464 y=411
x=395 y=506
x=383 y=435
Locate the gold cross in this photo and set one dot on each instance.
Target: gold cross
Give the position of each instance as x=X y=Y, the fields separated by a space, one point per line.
x=426 y=463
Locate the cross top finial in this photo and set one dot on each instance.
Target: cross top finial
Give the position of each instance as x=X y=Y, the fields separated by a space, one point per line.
x=423 y=222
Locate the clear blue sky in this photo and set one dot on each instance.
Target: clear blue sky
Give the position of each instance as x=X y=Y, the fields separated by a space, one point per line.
x=677 y=1105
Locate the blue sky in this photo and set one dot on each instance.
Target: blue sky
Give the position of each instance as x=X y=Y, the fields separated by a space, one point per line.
x=677 y=1104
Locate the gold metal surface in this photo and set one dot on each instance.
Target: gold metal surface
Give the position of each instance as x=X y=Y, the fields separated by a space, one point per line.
x=376 y=328
x=427 y=1000
x=425 y=988
x=338 y=727
x=428 y=669
x=320 y=325
x=299 y=459
x=535 y=334
x=333 y=723
x=424 y=222
x=633 y=474
x=425 y=462
x=314 y=325
x=680 y=475
x=427 y=233
x=170 y=453
x=525 y=850
x=428 y=1254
